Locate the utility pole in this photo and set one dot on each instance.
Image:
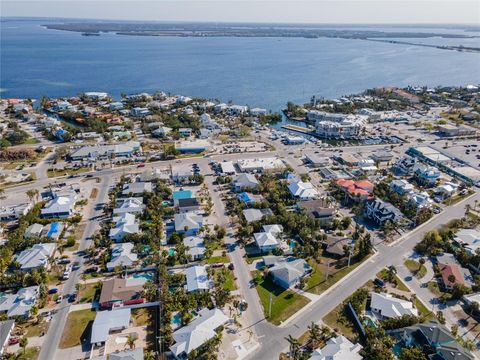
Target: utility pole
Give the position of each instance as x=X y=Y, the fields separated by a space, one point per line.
x=328 y=270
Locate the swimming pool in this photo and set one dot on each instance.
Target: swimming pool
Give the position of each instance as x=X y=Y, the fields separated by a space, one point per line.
x=148 y=276
x=177 y=319
x=171 y=252
x=292 y=244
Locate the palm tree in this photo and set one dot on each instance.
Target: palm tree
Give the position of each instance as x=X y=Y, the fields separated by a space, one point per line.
x=315 y=335
x=131 y=342
x=23 y=344
x=294 y=347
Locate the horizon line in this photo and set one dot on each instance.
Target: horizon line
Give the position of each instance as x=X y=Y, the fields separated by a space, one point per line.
x=2 y=18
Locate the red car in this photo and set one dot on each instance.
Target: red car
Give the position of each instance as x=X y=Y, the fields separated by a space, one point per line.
x=13 y=341
x=140 y=165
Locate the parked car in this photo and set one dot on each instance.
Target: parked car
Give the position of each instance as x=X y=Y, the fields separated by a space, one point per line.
x=59 y=299
x=53 y=291
x=13 y=341
x=72 y=298
x=231 y=266
x=379 y=282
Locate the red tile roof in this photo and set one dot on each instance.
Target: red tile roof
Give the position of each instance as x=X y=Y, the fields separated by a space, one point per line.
x=451 y=269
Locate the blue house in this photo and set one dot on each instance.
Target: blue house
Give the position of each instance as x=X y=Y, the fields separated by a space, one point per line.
x=246 y=198
x=60 y=134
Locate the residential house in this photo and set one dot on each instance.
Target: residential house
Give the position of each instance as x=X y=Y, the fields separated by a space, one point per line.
x=181 y=194
x=188 y=223
x=431 y=335
x=338 y=348
x=125 y=224
x=228 y=168
x=401 y=187
x=252 y=214
x=14 y=212
x=188 y=205
x=129 y=205
x=356 y=190
x=245 y=182
x=197 y=332
x=249 y=198
x=140 y=112
x=405 y=166
x=381 y=156
x=61 y=206
x=185 y=132
x=122 y=256
x=195 y=247
x=445 y=190
x=132 y=354
x=268 y=240
x=35 y=257
x=469 y=239
x=426 y=175
x=385 y=306
x=21 y=303
x=287 y=272
x=338 y=246
x=162 y=131
x=137 y=188
x=317 y=160
x=109 y=321
x=33 y=231
x=6 y=328
x=120 y=291
x=197 y=278
x=303 y=190
x=380 y=211
x=319 y=210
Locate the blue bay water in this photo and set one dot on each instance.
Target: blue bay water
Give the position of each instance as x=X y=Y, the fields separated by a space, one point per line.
x=265 y=72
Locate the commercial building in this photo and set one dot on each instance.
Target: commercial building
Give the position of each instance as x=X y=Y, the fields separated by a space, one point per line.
x=260 y=165
x=339 y=126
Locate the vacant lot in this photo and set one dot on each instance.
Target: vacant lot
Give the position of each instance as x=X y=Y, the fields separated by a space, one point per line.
x=89 y=292
x=78 y=325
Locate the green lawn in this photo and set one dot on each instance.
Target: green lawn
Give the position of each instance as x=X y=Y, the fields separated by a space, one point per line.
x=88 y=292
x=337 y=320
x=77 y=324
x=285 y=303
x=423 y=311
x=229 y=283
x=416 y=268
x=317 y=283
x=217 y=259
x=433 y=287
x=251 y=258
x=37 y=329
x=31 y=353
x=400 y=285
x=54 y=173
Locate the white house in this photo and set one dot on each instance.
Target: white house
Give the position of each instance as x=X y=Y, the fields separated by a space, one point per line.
x=122 y=256
x=469 y=238
x=129 y=205
x=125 y=224
x=195 y=247
x=303 y=190
x=197 y=278
x=245 y=181
x=61 y=206
x=339 y=348
x=107 y=321
x=288 y=272
x=35 y=257
x=268 y=239
x=188 y=223
x=196 y=333
x=137 y=188
x=386 y=306
x=19 y=304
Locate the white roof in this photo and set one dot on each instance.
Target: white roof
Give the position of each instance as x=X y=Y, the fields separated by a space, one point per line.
x=389 y=306
x=200 y=330
x=19 y=304
x=187 y=220
x=60 y=204
x=470 y=238
x=195 y=245
x=137 y=187
x=125 y=224
x=227 y=167
x=269 y=235
x=36 y=256
x=260 y=164
x=129 y=205
x=122 y=255
x=105 y=321
x=303 y=190
x=339 y=348
x=197 y=278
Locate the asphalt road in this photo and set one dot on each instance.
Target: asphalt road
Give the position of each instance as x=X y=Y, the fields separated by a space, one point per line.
x=58 y=321
x=272 y=338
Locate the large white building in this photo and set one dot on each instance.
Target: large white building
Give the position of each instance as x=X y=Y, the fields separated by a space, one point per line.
x=329 y=125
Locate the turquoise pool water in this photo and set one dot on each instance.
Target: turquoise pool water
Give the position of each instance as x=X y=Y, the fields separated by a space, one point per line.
x=171 y=252
x=148 y=276
x=397 y=349
x=292 y=244
x=177 y=319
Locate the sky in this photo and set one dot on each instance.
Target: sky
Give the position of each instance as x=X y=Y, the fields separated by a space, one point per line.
x=293 y=11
